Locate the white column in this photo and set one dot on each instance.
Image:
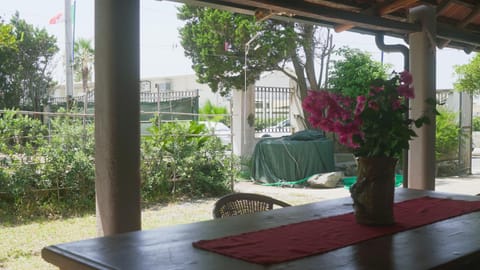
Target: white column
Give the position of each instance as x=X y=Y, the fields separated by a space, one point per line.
x=466 y=127
x=242 y=122
x=421 y=163
x=117 y=110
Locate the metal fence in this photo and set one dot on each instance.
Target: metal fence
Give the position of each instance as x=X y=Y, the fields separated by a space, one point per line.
x=167 y=105
x=82 y=136
x=145 y=97
x=272 y=109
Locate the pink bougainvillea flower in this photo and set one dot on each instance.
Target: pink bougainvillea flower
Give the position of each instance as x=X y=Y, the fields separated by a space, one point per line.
x=375 y=89
x=380 y=130
x=396 y=104
x=406 y=77
x=405 y=88
x=361 y=100
x=373 y=105
x=406 y=91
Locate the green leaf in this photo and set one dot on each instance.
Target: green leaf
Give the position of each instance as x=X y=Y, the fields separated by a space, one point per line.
x=469 y=76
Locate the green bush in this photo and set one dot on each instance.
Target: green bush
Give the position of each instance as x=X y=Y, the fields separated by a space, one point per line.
x=20 y=133
x=181 y=159
x=353 y=74
x=210 y=112
x=55 y=175
x=447 y=134
x=69 y=162
x=476 y=123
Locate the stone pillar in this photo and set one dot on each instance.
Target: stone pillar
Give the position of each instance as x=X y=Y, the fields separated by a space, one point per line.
x=466 y=127
x=421 y=162
x=243 y=122
x=117 y=114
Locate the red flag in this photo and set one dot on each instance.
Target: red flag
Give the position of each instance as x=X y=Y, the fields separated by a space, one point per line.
x=56 y=19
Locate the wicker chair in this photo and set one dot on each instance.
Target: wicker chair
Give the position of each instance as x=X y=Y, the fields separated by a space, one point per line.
x=244 y=203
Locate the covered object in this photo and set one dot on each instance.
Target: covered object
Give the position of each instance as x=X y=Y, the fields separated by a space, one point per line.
x=292 y=158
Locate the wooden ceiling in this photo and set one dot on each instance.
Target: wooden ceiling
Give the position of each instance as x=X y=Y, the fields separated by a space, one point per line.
x=458 y=21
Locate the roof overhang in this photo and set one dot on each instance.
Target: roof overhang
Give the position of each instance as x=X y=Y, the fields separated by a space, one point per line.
x=458 y=22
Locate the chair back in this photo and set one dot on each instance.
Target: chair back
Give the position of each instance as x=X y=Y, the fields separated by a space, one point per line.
x=244 y=203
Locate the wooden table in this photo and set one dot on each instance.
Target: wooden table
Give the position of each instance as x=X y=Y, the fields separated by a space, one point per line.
x=450 y=244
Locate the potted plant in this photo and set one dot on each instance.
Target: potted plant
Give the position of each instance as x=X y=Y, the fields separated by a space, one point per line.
x=374 y=126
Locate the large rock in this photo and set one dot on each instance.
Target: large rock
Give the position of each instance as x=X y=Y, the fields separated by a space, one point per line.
x=325 y=180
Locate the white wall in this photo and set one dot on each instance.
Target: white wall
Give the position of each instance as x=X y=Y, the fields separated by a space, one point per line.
x=273 y=79
x=59 y=90
x=476 y=139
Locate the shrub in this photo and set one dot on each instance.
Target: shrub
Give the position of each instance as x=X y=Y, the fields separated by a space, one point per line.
x=56 y=177
x=181 y=159
x=20 y=134
x=447 y=134
x=352 y=75
x=210 y=112
x=69 y=163
x=476 y=123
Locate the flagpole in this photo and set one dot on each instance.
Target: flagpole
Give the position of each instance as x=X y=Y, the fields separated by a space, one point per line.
x=74 y=15
x=68 y=53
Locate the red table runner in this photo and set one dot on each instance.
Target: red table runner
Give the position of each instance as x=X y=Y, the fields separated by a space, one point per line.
x=298 y=240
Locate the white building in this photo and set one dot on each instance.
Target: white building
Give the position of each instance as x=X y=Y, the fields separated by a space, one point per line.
x=160 y=84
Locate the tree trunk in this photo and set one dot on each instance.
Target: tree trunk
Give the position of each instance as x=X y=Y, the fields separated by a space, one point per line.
x=309 y=49
x=85 y=72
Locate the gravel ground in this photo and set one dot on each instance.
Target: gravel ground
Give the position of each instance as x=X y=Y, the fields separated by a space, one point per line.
x=199 y=210
x=292 y=195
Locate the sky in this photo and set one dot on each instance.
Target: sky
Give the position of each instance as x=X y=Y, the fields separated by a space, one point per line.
x=160 y=51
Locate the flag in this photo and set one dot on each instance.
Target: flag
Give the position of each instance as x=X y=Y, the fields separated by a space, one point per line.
x=57 y=18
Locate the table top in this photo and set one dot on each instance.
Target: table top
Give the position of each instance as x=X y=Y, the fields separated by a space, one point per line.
x=450 y=244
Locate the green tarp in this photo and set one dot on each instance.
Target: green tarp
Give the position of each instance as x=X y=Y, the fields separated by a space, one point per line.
x=284 y=160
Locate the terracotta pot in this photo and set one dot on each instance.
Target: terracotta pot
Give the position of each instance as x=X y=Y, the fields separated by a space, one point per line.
x=373 y=192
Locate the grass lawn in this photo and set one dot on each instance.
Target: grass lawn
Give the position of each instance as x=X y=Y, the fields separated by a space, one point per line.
x=21 y=244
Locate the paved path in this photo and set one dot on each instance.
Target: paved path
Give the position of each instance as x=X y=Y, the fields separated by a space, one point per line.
x=469 y=184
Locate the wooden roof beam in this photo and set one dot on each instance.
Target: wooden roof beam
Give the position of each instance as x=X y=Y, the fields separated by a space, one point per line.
x=396 y=5
x=442 y=43
x=343 y=27
x=382 y=11
x=443 y=6
x=457 y=35
x=345 y=5
x=472 y=16
x=463 y=3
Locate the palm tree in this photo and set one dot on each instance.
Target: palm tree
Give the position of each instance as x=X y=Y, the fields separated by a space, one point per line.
x=83 y=61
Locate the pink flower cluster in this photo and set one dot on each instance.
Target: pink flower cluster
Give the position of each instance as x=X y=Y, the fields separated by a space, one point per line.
x=344 y=116
x=333 y=113
x=405 y=89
